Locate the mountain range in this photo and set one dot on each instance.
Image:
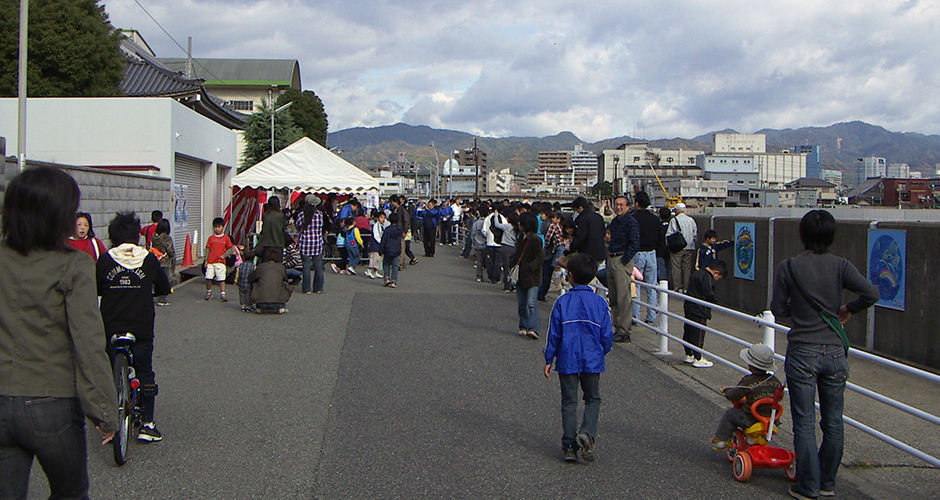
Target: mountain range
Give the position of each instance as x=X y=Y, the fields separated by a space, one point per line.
x=841 y=145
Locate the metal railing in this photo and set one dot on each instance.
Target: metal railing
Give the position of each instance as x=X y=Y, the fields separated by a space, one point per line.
x=769 y=329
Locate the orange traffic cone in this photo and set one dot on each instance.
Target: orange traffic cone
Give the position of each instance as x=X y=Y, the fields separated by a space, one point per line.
x=188 y=253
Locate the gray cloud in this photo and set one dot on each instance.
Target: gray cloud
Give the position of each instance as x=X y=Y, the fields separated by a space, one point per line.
x=599 y=69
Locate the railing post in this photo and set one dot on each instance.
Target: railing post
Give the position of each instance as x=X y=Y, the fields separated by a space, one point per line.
x=769 y=333
x=663 y=320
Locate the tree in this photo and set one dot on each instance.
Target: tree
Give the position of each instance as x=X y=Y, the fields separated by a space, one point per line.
x=258 y=134
x=308 y=113
x=604 y=188
x=73 y=49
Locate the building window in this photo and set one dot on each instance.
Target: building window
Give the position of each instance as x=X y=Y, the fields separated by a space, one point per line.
x=636 y=159
x=243 y=105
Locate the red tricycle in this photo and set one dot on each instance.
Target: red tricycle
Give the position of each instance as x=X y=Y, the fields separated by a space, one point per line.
x=750 y=448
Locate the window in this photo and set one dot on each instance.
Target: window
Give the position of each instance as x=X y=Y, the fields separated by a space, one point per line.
x=670 y=159
x=243 y=105
x=636 y=159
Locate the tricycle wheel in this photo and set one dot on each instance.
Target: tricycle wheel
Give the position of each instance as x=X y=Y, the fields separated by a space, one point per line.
x=742 y=466
x=791 y=470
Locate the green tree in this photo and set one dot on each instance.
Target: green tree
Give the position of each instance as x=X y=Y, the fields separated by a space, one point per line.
x=258 y=134
x=603 y=188
x=73 y=49
x=308 y=113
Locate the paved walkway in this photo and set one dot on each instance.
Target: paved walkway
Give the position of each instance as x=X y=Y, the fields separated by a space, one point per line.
x=426 y=391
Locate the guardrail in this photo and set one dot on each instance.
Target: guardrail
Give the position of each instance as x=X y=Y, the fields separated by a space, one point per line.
x=769 y=329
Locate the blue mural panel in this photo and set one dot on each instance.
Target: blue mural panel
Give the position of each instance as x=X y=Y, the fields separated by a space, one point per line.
x=744 y=254
x=887 y=260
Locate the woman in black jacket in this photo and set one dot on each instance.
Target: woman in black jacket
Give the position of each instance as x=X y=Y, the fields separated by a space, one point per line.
x=529 y=256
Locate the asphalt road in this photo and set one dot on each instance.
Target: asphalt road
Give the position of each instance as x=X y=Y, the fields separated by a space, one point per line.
x=424 y=391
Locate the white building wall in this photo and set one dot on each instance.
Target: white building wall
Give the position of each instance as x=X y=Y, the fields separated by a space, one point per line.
x=125 y=131
x=740 y=143
x=778 y=169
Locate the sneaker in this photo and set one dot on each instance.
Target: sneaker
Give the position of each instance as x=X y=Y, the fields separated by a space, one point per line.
x=522 y=332
x=702 y=363
x=335 y=268
x=222 y=297
x=586 y=442
x=163 y=304
x=718 y=444
x=622 y=339
x=827 y=493
x=797 y=494
x=307 y=293
x=393 y=285
x=533 y=334
x=208 y=295
x=149 y=433
x=571 y=454
x=507 y=290
x=351 y=271
x=282 y=310
x=689 y=360
x=369 y=274
x=479 y=280
x=413 y=261
x=343 y=271
x=387 y=282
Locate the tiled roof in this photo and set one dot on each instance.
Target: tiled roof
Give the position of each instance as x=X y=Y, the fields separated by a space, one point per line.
x=810 y=182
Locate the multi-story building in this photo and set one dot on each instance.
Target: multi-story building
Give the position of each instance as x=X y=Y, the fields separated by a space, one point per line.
x=564 y=172
x=825 y=191
x=898 y=171
x=629 y=168
x=777 y=169
x=740 y=143
x=244 y=83
x=500 y=182
x=813 y=159
x=694 y=192
x=475 y=159
x=831 y=176
x=739 y=186
x=872 y=167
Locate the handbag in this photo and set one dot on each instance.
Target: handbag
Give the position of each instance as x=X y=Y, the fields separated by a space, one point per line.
x=513 y=277
x=830 y=320
x=676 y=242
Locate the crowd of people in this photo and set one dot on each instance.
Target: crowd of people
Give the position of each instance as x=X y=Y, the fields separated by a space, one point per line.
x=58 y=307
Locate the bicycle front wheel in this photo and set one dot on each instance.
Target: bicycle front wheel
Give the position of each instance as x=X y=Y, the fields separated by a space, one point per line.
x=121 y=371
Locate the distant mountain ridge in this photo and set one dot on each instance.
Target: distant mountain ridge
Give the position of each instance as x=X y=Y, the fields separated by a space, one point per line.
x=841 y=145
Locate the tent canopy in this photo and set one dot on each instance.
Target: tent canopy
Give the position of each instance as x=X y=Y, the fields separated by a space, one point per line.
x=306 y=166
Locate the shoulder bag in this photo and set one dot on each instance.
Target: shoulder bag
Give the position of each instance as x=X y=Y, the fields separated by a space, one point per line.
x=513 y=277
x=676 y=241
x=830 y=320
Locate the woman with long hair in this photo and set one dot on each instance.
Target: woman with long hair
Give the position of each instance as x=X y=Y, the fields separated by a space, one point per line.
x=84 y=237
x=54 y=370
x=310 y=241
x=529 y=256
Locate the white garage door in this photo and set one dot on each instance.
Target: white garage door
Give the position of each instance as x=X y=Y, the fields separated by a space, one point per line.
x=187 y=202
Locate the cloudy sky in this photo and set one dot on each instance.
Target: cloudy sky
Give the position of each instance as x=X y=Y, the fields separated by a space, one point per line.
x=600 y=69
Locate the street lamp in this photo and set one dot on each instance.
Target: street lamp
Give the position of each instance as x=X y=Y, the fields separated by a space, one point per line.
x=274 y=112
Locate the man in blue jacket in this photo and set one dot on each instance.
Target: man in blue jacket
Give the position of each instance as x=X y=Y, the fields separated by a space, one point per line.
x=430 y=217
x=580 y=334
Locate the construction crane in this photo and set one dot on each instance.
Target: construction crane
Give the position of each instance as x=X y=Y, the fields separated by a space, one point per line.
x=652 y=159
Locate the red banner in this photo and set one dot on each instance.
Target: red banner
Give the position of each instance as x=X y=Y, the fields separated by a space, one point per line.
x=242 y=213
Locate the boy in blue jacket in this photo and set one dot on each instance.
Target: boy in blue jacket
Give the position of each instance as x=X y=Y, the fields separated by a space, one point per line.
x=580 y=334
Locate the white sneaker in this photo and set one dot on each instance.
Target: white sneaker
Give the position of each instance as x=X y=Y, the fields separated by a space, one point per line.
x=689 y=359
x=702 y=363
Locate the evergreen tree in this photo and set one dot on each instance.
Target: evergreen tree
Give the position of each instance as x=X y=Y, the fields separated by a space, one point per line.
x=73 y=49
x=258 y=134
x=308 y=113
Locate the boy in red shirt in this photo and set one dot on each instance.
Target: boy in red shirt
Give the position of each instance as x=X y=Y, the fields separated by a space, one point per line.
x=148 y=231
x=217 y=244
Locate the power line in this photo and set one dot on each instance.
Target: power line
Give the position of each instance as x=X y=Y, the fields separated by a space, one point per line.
x=184 y=50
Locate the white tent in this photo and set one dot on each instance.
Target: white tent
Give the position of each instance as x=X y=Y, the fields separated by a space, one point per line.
x=306 y=166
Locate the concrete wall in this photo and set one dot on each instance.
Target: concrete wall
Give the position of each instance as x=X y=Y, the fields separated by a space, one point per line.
x=910 y=335
x=104 y=193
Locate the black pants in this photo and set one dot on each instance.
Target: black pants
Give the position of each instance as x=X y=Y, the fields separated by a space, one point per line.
x=429 y=241
x=694 y=335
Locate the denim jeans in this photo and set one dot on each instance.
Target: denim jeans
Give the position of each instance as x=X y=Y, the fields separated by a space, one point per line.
x=314 y=262
x=507 y=253
x=528 y=308
x=662 y=268
x=590 y=385
x=354 y=257
x=390 y=268
x=494 y=264
x=810 y=368
x=646 y=263
x=52 y=430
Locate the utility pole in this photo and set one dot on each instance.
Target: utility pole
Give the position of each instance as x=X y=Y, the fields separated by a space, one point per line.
x=476 y=168
x=21 y=92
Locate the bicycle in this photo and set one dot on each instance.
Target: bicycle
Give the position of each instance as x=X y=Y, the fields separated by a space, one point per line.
x=127 y=385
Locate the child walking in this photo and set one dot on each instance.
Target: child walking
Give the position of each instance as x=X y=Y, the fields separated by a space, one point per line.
x=375 y=259
x=756 y=386
x=390 y=249
x=580 y=334
x=353 y=244
x=701 y=286
x=217 y=244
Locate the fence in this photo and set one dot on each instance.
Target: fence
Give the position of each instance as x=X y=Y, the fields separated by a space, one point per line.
x=769 y=328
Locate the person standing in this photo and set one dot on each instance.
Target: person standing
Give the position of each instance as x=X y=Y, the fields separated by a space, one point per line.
x=163 y=243
x=808 y=289
x=624 y=243
x=84 y=238
x=589 y=231
x=507 y=244
x=310 y=241
x=493 y=236
x=683 y=260
x=54 y=370
x=651 y=238
x=273 y=224
x=430 y=218
x=404 y=221
x=528 y=256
